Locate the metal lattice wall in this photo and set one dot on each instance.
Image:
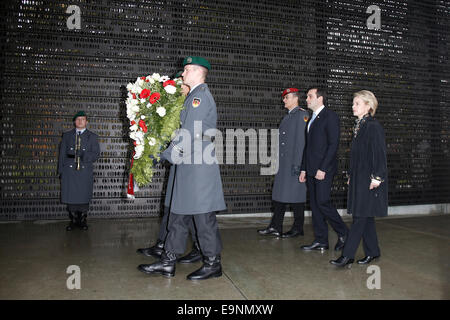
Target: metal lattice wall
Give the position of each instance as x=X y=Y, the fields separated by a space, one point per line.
x=256 y=49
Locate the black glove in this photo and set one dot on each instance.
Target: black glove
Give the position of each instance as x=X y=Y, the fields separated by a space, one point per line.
x=155 y=161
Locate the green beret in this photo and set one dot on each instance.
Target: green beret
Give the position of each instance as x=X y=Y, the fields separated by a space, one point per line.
x=79 y=114
x=178 y=74
x=198 y=61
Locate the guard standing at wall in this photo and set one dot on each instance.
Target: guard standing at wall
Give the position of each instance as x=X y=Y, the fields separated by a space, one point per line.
x=79 y=149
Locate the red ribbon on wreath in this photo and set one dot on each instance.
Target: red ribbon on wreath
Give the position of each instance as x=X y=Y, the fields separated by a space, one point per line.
x=130 y=188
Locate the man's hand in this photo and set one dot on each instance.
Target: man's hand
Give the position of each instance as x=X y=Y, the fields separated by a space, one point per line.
x=302 y=177
x=320 y=175
x=374 y=185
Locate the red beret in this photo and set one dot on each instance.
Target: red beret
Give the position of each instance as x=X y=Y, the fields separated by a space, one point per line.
x=289 y=90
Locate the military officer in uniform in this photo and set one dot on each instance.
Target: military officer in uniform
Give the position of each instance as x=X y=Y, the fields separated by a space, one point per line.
x=78 y=151
x=287 y=189
x=156 y=250
x=197 y=186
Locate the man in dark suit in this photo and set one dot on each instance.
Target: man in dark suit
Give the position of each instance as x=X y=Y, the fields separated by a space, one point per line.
x=318 y=168
x=79 y=149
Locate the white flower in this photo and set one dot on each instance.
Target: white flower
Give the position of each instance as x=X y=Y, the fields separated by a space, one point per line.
x=149 y=105
x=139 y=148
x=150 y=79
x=161 y=111
x=142 y=100
x=156 y=76
x=140 y=136
x=142 y=117
x=134 y=127
x=133 y=135
x=139 y=82
x=131 y=116
x=134 y=108
x=152 y=141
x=129 y=86
x=163 y=78
x=170 y=89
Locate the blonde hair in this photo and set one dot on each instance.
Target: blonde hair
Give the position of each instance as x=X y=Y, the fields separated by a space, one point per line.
x=369 y=98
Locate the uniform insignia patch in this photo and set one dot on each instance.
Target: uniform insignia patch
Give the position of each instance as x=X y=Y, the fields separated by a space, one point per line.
x=196 y=102
x=305 y=118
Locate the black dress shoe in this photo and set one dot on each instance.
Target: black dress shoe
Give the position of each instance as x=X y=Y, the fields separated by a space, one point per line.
x=269 y=231
x=315 y=246
x=292 y=233
x=367 y=259
x=342 y=261
x=340 y=243
x=166 y=266
x=211 y=268
x=193 y=256
x=154 y=251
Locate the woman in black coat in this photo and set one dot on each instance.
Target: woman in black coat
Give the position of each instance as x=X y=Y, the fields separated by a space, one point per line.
x=367 y=183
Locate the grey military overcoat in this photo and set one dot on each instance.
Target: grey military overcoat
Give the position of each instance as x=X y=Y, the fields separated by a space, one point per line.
x=198 y=185
x=286 y=187
x=77 y=185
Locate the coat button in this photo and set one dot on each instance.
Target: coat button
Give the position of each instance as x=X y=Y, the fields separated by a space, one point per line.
x=70 y=166
x=284 y=132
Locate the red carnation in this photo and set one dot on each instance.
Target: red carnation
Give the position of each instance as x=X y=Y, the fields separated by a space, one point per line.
x=142 y=78
x=143 y=126
x=134 y=96
x=169 y=82
x=144 y=93
x=133 y=122
x=154 y=97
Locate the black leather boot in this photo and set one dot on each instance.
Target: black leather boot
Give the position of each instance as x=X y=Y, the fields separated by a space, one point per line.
x=193 y=256
x=211 y=268
x=83 y=221
x=155 y=251
x=78 y=219
x=71 y=224
x=166 y=266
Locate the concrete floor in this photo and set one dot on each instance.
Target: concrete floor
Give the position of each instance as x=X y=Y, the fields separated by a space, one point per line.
x=34 y=257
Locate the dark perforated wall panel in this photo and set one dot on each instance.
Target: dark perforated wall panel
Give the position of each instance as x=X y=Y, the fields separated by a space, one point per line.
x=257 y=49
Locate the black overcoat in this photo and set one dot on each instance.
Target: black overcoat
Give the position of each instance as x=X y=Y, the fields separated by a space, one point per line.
x=77 y=185
x=367 y=160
